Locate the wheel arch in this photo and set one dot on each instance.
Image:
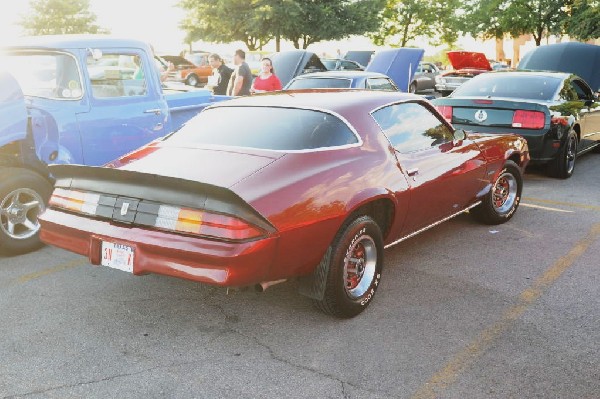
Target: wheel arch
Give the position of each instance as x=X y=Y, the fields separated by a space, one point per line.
x=381 y=208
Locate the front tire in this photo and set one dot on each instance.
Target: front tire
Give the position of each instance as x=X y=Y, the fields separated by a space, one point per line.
x=192 y=80
x=23 y=197
x=563 y=165
x=355 y=265
x=412 y=88
x=500 y=204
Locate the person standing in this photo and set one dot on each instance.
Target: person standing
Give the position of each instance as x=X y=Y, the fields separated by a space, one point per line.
x=221 y=74
x=241 y=78
x=266 y=80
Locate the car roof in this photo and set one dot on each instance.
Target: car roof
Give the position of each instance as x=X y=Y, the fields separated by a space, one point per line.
x=75 y=42
x=342 y=74
x=341 y=101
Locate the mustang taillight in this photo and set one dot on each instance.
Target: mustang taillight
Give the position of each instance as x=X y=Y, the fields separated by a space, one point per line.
x=205 y=223
x=73 y=200
x=528 y=119
x=446 y=112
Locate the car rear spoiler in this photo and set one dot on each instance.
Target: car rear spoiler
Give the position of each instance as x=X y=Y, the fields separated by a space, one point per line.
x=156 y=188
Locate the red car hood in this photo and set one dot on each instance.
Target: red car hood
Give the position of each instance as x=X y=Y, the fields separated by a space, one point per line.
x=468 y=59
x=216 y=166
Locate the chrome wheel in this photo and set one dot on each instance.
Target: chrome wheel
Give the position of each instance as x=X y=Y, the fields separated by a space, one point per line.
x=570 y=154
x=359 y=266
x=192 y=81
x=19 y=212
x=504 y=193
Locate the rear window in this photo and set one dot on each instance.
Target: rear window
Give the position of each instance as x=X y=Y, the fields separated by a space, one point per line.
x=320 y=83
x=508 y=85
x=270 y=128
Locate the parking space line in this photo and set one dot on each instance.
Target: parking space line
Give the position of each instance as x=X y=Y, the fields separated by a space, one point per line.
x=545 y=208
x=68 y=265
x=569 y=204
x=466 y=357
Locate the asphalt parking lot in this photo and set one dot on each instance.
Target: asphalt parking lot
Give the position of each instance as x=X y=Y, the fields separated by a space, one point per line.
x=464 y=311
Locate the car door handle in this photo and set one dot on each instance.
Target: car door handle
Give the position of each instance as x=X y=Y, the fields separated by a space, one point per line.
x=413 y=171
x=155 y=111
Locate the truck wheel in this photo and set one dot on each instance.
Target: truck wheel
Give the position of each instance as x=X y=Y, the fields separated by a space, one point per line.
x=23 y=196
x=563 y=165
x=355 y=266
x=500 y=204
x=192 y=80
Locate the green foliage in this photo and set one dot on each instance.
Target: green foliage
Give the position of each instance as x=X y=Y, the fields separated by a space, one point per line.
x=403 y=21
x=540 y=18
x=584 y=23
x=255 y=22
x=54 y=17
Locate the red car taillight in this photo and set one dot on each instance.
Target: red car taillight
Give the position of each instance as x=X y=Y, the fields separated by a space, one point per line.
x=446 y=112
x=205 y=223
x=528 y=119
x=165 y=217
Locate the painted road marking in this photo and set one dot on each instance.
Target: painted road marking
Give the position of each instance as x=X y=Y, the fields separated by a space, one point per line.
x=55 y=269
x=466 y=357
x=545 y=208
x=560 y=203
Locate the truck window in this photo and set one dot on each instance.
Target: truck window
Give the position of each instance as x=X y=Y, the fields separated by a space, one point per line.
x=117 y=75
x=46 y=74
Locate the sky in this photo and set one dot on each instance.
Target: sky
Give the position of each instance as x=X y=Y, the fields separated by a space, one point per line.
x=157 y=22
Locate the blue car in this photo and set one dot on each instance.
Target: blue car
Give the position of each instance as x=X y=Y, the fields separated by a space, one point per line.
x=342 y=80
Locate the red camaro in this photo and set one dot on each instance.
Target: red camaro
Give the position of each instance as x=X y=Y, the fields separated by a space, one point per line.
x=311 y=185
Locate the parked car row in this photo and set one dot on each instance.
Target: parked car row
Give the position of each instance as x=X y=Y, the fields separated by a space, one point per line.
x=311 y=183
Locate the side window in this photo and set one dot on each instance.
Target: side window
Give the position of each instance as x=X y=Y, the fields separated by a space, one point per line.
x=412 y=127
x=117 y=75
x=583 y=93
x=380 y=84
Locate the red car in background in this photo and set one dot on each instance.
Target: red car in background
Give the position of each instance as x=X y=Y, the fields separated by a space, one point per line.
x=310 y=185
x=466 y=64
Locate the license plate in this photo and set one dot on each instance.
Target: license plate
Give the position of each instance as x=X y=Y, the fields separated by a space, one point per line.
x=117 y=256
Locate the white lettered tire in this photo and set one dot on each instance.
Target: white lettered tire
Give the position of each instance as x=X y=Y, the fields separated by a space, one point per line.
x=355 y=266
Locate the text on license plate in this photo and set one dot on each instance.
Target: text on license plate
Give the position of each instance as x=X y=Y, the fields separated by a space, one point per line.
x=117 y=256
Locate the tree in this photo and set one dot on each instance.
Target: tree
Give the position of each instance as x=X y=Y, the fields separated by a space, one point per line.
x=584 y=21
x=224 y=21
x=539 y=18
x=310 y=21
x=403 y=21
x=483 y=18
x=54 y=17
x=256 y=22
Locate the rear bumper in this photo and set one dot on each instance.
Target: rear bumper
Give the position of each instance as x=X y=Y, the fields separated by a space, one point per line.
x=191 y=258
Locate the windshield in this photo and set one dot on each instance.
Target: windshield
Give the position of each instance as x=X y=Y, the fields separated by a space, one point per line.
x=319 y=83
x=46 y=74
x=509 y=85
x=270 y=128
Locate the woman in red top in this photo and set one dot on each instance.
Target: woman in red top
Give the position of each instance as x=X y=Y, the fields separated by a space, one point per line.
x=266 y=80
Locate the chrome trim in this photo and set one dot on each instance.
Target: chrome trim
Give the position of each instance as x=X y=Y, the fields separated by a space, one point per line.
x=431 y=225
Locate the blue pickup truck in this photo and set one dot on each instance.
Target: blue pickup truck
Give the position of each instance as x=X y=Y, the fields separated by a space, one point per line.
x=75 y=100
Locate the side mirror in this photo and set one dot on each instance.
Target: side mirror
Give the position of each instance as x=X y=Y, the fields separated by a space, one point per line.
x=459 y=135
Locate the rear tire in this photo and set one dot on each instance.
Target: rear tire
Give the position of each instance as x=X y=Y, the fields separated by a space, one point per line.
x=355 y=265
x=23 y=197
x=563 y=165
x=500 y=204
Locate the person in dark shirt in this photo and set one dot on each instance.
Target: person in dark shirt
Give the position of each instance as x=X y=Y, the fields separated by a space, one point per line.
x=221 y=72
x=241 y=78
